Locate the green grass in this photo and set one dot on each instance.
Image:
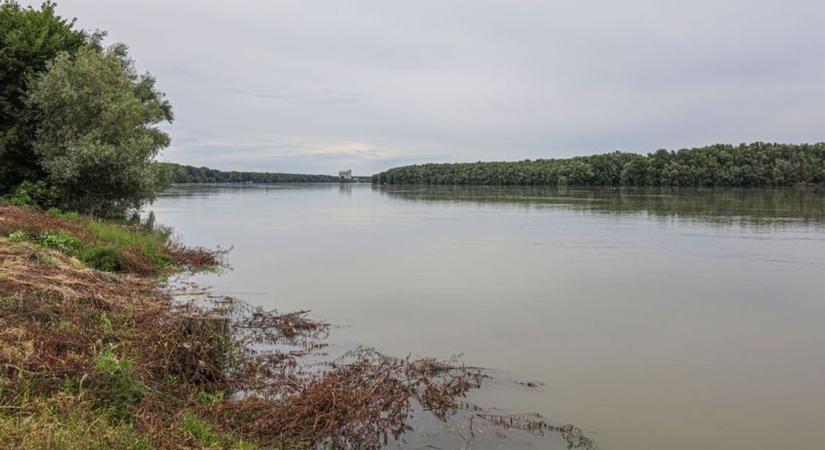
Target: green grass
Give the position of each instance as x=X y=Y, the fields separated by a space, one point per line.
x=60 y=241
x=71 y=422
x=66 y=422
x=112 y=241
x=102 y=257
x=117 y=389
x=206 y=398
x=199 y=430
x=18 y=236
x=149 y=243
x=203 y=434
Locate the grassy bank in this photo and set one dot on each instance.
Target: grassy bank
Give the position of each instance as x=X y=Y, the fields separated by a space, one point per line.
x=97 y=352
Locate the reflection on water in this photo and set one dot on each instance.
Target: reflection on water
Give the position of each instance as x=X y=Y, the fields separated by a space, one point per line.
x=753 y=207
x=651 y=319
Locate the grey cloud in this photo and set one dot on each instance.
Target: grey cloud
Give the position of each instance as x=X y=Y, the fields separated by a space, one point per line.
x=254 y=94
x=325 y=96
x=318 y=86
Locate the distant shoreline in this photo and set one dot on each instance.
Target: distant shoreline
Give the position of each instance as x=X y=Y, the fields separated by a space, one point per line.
x=180 y=174
x=746 y=165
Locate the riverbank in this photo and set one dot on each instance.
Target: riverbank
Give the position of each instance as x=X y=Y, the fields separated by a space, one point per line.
x=97 y=351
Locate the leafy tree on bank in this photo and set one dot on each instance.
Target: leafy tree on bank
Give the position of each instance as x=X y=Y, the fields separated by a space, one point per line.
x=97 y=133
x=29 y=39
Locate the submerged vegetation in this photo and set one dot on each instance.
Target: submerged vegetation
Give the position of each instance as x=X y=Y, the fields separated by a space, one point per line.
x=90 y=358
x=746 y=165
x=97 y=351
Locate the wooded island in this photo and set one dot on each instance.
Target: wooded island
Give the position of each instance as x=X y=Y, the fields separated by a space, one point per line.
x=746 y=165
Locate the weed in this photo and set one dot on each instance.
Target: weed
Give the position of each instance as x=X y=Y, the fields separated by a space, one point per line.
x=206 y=398
x=60 y=241
x=106 y=323
x=118 y=389
x=43 y=259
x=199 y=430
x=54 y=212
x=18 y=236
x=205 y=436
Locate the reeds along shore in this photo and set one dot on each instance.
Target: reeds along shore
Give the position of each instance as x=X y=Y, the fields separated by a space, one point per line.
x=96 y=352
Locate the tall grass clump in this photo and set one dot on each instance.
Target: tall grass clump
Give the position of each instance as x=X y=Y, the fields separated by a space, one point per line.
x=150 y=244
x=117 y=389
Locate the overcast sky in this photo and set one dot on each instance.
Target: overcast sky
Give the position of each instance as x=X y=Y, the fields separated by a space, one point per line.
x=317 y=86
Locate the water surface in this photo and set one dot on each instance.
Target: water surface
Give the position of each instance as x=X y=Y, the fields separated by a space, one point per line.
x=655 y=319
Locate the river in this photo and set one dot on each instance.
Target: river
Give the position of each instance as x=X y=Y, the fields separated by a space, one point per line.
x=651 y=319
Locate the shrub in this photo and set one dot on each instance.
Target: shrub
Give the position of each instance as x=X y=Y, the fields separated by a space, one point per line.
x=34 y=193
x=61 y=241
x=102 y=257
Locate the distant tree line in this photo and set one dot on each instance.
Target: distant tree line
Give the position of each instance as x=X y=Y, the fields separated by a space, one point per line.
x=746 y=165
x=189 y=174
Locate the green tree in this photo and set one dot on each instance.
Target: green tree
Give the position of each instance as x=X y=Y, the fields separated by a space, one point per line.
x=29 y=39
x=97 y=133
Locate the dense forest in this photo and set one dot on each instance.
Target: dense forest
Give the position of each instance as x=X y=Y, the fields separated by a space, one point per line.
x=189 y=174
x=757 y=164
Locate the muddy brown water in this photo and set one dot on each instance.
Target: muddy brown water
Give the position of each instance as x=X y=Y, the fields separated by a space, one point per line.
x=686 y=319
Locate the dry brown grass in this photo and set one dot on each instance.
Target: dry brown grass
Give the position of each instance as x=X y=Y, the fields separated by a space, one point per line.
x=34 y=221
x=58 y=319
